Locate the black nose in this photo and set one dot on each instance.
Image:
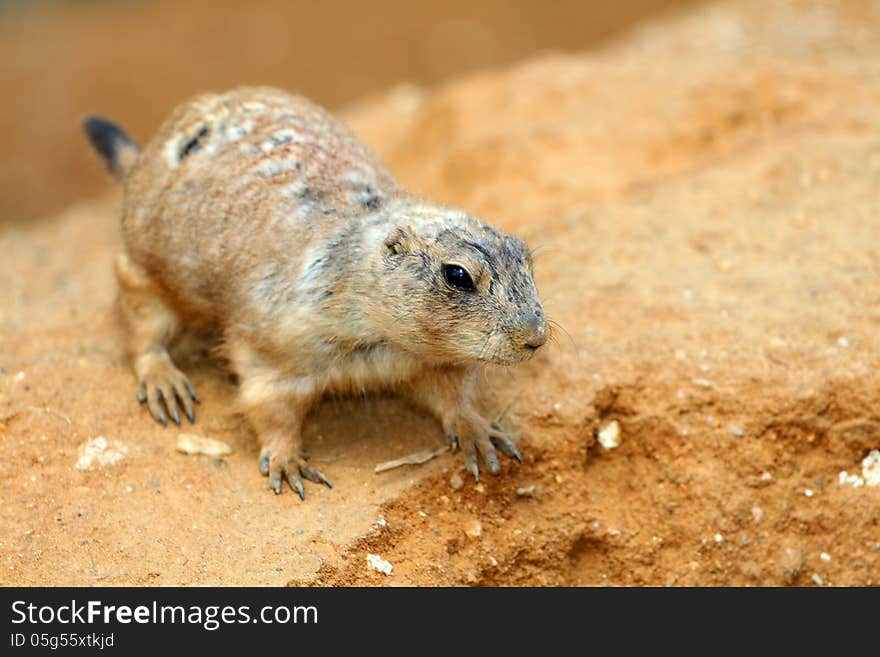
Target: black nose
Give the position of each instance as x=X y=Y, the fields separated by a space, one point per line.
x=535 y=332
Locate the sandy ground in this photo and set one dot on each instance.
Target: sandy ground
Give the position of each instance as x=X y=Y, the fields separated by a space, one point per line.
x=703 y=198
x=134 y=59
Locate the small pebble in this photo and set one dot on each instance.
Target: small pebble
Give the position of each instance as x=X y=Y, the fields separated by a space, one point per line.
x=816 y=579
x=609 y=435
x=191 y=443
x=739 y=432
x=456 y=481
x=474 y=529
x=792 y=562
x=871 y=468
x=824 y=556
x=808 y=492
x=529 y=491
x=379 y=564
x=718 y=538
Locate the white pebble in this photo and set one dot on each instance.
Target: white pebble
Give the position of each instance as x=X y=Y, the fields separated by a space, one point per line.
x=529 y=491
x=824 y=556
x=808 y=492
x=609 y=435
x=854 y=480
x=739 y=432
x=871 y=468
x=816 y=579
x=99 y=451
x=718 y=538
x=701 y=382
x=379 y=564
x=842 y=342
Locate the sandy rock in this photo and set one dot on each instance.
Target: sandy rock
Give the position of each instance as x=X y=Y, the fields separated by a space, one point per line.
x=379 y=564
x=99 y=452
x=191 y=443
x=473 y=529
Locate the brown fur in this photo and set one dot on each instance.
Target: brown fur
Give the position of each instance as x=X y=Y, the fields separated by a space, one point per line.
x=256 y=213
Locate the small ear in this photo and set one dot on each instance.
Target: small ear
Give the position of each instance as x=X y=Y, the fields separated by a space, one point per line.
x=401 y=240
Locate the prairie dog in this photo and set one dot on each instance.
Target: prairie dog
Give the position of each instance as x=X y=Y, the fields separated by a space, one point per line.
x=256 y=213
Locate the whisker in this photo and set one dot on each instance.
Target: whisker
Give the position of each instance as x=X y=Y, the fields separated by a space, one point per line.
x=556 y=325
x=545 y=249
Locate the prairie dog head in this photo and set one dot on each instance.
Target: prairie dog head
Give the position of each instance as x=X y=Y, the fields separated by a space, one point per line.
x=460 y=290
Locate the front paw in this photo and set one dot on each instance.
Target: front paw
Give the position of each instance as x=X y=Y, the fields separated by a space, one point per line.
x=282 y=464
x=479 y=439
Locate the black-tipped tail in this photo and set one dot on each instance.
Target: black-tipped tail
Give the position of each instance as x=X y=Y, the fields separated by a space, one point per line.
x=117 y=149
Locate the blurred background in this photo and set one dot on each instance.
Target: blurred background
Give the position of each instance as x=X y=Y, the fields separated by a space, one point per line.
x=133 y=60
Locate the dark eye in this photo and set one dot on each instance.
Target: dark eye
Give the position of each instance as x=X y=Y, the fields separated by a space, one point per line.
x=458 y=278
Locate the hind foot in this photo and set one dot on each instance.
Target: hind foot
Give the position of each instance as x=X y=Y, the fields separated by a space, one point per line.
x=163 y=387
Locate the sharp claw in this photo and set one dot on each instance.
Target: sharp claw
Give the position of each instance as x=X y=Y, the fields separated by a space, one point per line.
x=453 y=440
x=506 y=447
x=492 y=464
x=174 y=414
x=141 y=393
x=160 y=397
x=192 y=393
x=185 y=401
x=516 y=454
x=275 y=481
x=314 y=475
x=264 y=464
x=296 y=485
x=474 y=470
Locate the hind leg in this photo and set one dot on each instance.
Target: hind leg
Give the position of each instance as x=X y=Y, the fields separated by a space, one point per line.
x=151 y=325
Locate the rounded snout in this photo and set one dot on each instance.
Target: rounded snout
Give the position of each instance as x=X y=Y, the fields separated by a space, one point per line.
x=533 y=333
